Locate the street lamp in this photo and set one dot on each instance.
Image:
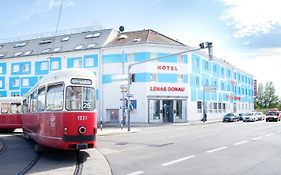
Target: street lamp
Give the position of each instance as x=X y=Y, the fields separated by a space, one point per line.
x=131 y=77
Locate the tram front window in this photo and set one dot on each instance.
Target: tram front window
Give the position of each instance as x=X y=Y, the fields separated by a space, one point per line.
x=80 y=98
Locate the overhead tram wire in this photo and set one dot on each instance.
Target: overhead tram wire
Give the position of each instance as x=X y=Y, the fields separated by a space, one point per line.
x=57 y=26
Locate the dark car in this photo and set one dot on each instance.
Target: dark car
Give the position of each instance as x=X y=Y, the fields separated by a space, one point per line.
x=230 y=117
x=241 y=116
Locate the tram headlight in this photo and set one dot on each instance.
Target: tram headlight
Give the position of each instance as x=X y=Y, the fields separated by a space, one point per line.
x=65 y=130
x=82 y=130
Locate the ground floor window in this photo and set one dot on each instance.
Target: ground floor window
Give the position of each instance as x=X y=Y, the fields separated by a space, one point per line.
x=199 y=106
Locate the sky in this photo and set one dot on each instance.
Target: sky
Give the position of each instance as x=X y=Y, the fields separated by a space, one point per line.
x=246 y=33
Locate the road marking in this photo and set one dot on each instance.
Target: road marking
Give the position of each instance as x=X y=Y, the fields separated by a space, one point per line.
x=270 y=134
x=178 y=160
x=240 y=143
x=136 y=173
x=257 y=138
x=217 y=149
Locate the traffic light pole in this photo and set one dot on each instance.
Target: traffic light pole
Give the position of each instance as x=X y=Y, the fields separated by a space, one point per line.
x=202 y=46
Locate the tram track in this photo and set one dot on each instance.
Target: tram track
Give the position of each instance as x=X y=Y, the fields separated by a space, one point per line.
x=4 y=146
x=30 y=165
x=79 y=163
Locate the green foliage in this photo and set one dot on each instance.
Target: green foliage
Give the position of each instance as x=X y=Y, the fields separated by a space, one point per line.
x=266 y=97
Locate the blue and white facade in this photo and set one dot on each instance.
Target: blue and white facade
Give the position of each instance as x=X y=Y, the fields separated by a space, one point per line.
x=166 y=90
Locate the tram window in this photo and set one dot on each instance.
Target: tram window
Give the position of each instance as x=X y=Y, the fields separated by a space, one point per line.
x=41 y=99
x=80 y=98
x=5 y=108
x=33 y=101
x=15 y=108
x=25 y=106
x=88 y=99
x=55 y=97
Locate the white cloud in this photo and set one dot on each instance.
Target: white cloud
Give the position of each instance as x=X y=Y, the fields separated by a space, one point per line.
x=42 y=7
x=249 y=17
x=264 y=64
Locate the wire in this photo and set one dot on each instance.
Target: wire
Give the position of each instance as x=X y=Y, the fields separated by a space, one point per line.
x=57 y=26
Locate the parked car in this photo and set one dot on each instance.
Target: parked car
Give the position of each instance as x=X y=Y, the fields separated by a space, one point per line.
x=230 y=117
x=241 y=116
x=259 y=115
x=250 y=117
x=272 y=116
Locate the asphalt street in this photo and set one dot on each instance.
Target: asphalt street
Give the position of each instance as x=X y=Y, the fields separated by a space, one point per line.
x=218 y=148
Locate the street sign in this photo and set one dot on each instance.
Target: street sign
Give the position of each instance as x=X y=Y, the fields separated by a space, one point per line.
x=209 y=88
x=130 y=95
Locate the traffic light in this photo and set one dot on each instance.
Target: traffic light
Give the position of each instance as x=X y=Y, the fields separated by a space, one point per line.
x=132 y=78
x=201 y=45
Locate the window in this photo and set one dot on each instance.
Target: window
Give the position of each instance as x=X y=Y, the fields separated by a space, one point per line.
x=16 y=82
x=222 y=86
x=25 y=105
x=27 y=52
x=206 y=65
x=25 y=67
x=89 y=62
x=54 y=97
x=57 y=49
x=41 y=99
x=16 y=68
x=197 y=62
x=18 y=54
x=197 y=80
x=180 y=78
x=215 y=68
x=222 y=71
x=46 y=50
x=55 y=65
x=199 y=106
x=210 y=107
x=77 y=63
x=5 y=108
x=65 y=38
x=219 y=104
x=15 y=108
x=92 y=35
x=136 y=40
x=153 y=77
x=80 y=98
x=121 y=37
x=223 y=107
x=79 y=47
x=33 y=101
x=46 y=41
x=91 y=45
x=25 y=82
x=20 y=44
x=44 y=65
x=215 y=107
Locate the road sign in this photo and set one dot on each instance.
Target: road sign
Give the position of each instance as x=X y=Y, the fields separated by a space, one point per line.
x=209 y=88
x=130 y=95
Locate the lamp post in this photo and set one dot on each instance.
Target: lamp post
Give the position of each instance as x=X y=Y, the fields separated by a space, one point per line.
x=131 y=77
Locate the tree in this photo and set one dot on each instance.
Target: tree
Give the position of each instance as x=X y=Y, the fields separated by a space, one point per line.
x=266 y=97
x=259 y=99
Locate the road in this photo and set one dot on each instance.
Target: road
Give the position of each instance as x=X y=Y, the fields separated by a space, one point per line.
x=218 y=148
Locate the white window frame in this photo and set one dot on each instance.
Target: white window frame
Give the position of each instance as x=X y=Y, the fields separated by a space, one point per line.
x=25 y=82
x=25 y=67
x=44 y=65
x=77 y=63
x=54 y=65
x=16 y=83
x=89 y=62
x=16 y=68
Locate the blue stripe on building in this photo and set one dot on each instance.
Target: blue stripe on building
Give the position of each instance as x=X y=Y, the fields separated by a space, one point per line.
x=142 y=56
x=169 y=59
x=115 y=58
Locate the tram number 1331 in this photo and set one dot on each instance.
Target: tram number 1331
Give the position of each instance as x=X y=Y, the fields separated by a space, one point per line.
x=81 y=117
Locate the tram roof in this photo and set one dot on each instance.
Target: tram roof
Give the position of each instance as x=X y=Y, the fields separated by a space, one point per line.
x=68 y=74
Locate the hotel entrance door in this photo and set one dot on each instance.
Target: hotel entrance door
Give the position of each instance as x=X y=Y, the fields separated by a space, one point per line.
x=167 y=110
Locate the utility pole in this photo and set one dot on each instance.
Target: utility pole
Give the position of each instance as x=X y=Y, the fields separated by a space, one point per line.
x=205 y=45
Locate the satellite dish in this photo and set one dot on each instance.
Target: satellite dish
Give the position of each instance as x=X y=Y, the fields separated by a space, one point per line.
x=121 y=28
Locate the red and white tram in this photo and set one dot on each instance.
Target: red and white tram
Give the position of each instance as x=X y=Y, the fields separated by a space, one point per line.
x=60 y=111
x=10 y=116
